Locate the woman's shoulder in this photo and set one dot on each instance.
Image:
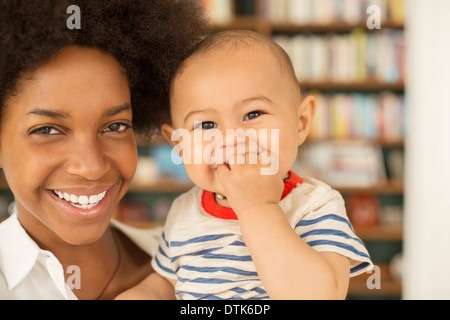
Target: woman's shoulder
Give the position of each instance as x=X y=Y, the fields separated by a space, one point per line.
x=147 y=239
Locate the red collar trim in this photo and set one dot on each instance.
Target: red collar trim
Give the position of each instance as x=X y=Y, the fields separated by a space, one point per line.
x=211 y=207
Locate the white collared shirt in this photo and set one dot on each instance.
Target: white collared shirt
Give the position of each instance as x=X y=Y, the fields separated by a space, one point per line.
x=28 y=272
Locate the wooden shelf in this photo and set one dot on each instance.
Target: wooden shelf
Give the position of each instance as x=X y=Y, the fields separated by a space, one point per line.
x=367 y=85
x=266 y=27
x=239 y=22
x=389 y=287
x=383 y=188
x=144 y=224
x=164 y=185
x=380 y=233
x=383 y=143
x=329 y=27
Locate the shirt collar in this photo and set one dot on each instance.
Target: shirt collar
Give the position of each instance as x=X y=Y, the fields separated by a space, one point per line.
x=18 y=252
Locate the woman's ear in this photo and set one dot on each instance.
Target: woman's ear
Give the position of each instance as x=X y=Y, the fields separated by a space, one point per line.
x=305 y=116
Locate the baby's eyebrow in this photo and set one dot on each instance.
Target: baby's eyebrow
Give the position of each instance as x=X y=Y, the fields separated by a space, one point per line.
x=194 y=112
x=264 y=98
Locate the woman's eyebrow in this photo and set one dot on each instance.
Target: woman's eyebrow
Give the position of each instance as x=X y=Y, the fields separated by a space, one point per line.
x=49 y=113
x=64 y=115
x=116 y=110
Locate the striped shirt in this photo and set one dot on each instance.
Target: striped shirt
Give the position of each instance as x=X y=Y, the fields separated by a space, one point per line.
x=205 y=252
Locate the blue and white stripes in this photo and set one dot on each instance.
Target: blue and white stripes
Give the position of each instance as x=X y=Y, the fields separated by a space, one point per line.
x=334 y=231
x=219 y=262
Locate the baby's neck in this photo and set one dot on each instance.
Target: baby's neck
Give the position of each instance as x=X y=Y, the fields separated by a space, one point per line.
x=221 y=201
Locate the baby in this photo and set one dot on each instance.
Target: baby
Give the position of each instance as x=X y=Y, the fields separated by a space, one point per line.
x=242 y=232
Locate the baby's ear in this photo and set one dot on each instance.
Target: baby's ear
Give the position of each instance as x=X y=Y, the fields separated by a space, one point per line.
x=305 y=113
x=1 y=159
x=175 y=136
x=167 y=131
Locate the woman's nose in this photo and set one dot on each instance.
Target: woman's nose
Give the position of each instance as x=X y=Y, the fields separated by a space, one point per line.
x=87 y=159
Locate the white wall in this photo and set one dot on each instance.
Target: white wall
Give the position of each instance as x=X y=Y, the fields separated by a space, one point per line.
x=427 y=200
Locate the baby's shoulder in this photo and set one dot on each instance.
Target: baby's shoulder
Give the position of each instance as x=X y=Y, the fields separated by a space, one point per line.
x=184 y=205
x=313 y=192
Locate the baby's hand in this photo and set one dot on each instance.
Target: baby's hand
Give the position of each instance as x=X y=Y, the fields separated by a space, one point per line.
x=246 y=188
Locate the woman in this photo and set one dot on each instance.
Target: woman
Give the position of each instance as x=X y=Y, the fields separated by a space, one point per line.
x=71 y=101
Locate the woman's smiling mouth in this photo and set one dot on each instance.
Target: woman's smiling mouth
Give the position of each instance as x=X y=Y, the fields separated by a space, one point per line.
x=81 y=201
x=80 y=204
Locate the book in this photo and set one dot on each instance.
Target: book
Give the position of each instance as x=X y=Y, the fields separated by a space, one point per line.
x=219 y=12
x=378 y=117
x=304 y=12
x=132 y=211
x=354 y=57
x=363 y=210
x=342 y=164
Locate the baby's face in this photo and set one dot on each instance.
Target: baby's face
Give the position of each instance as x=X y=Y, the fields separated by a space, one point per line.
x=229 y=103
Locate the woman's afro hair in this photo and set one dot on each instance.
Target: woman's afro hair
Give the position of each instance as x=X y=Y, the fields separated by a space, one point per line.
x=149 y=38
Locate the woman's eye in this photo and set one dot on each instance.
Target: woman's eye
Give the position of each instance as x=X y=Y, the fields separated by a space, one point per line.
x=206 y=125
x=253 y=115
x=117 y=127
x=45 y=131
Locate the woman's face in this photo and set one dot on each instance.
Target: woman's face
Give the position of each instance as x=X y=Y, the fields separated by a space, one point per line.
x=67 y=147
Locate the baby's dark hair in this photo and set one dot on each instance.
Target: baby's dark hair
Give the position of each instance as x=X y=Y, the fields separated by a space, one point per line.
x=149 y=38
x=237 y=40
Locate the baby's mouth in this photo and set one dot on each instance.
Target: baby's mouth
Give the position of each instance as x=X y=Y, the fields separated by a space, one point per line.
x=81 y=201
x=237 y=155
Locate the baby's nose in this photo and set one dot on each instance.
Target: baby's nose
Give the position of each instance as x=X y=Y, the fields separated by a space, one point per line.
x=233 y=140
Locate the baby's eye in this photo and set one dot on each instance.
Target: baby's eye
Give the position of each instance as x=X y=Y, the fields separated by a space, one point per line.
x=206 y=125
x=253 y=115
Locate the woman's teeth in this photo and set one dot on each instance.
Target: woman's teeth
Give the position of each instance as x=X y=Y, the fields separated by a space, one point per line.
x=83 y=202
